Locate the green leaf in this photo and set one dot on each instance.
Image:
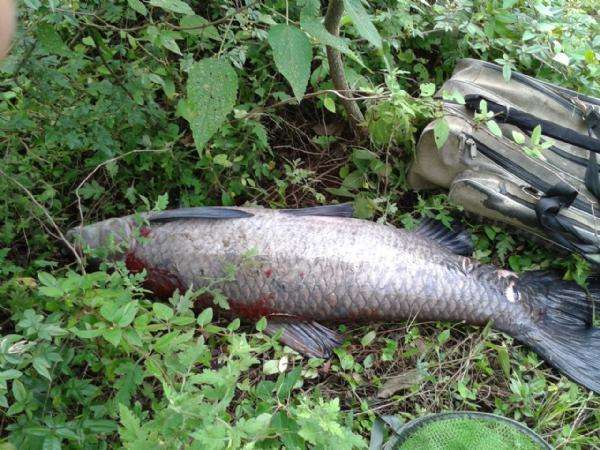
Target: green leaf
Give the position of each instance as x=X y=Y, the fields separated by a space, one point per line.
x=362 y=22
x=292 y=53
x=443 y=337
x=315 y=28
x=125 y=314
x=197 y=26
x=211 y=95
x=329 y=103
x=51 y=443
x=441 y=131
x=494 y=128
x=138 y=7
x=131 y=424
x=162 y=311
x=176 y=6
x=504 y=360
x=205 y=317
x=10 y=374
x=261 y=325
x=536 y=135
x=113 y=336
x=41 y=365
x=427 y=89
x=367 y=338
x=519 y=138
x=50 y=40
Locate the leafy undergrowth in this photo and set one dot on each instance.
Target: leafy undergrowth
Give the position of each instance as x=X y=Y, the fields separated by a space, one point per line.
x=103 y=109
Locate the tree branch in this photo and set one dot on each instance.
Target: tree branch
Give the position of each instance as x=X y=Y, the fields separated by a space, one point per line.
x=335 y=9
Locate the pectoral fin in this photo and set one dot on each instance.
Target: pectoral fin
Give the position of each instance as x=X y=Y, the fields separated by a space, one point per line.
x=308 y=338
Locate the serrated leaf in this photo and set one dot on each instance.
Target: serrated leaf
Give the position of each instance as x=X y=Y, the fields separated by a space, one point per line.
x=362 y=22
x=138 y=7
x=494 y=128
x=211 y=95
x=50 y=40
x=292 y=53
x=441 y=131
x=176 y=6
x=315 y=28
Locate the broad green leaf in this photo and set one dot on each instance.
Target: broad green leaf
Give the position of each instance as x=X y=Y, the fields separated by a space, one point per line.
x=176 y=6
x=441 y=131
x=211 y=95
x=362 y=22
x=292 y=54
x=138 y=7
x=317 y=30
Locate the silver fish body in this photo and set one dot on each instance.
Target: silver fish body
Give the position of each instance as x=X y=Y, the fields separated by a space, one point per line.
x=297 y=268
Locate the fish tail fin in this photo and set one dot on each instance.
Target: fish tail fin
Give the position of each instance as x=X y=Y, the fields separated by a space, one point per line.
x=563 y=332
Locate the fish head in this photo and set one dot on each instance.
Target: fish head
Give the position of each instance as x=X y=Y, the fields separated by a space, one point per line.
x=109 y=238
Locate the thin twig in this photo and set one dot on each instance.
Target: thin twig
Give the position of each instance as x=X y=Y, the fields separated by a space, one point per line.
x=48 y=217
x=259 y=110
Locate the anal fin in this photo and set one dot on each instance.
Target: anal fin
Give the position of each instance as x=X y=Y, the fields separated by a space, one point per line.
x=308 y=338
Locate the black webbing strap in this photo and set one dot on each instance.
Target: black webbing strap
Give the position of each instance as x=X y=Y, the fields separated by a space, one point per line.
x=527 y=121
x=560 y=196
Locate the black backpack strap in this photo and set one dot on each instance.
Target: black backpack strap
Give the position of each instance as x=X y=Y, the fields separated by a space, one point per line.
x=547 y=210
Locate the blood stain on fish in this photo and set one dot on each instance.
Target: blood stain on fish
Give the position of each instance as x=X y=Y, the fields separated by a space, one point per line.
x=162 y=283
x=261 y=307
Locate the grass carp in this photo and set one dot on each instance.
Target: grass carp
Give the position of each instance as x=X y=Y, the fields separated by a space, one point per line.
x=302 y=267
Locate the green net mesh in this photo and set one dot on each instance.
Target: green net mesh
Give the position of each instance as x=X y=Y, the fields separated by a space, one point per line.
x=472 y=431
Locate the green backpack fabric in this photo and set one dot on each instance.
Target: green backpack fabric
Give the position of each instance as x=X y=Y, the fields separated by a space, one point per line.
x=555 y=197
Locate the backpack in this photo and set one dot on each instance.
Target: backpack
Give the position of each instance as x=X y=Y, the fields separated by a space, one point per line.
x=546 y=184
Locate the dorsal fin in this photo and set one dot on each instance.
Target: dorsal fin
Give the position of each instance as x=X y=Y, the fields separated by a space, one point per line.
x=200 y=212
x=341 y=210
x=457 y=241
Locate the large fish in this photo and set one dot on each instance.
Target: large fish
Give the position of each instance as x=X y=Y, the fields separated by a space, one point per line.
x=301 y=267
